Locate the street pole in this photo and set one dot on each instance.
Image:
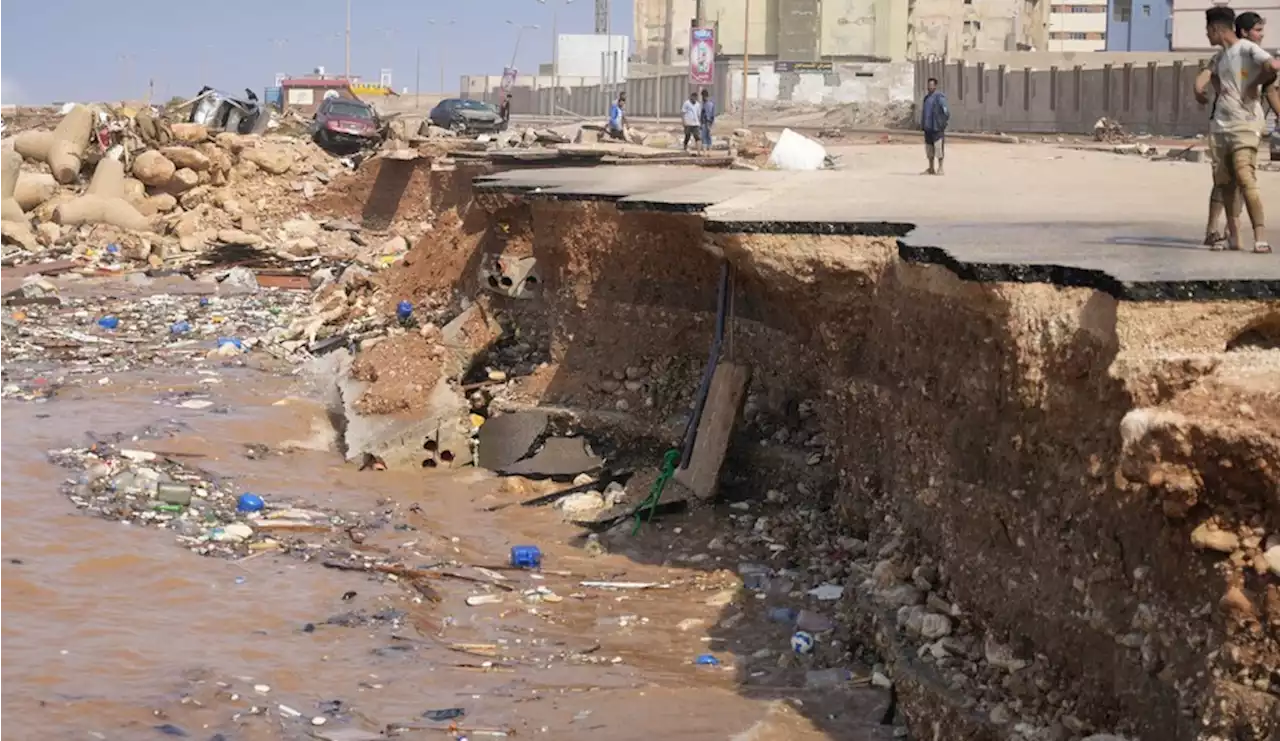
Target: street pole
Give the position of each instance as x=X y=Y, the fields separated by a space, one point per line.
x=555 y=63
x=746 y=57
x=347 y=73
x=417 y=76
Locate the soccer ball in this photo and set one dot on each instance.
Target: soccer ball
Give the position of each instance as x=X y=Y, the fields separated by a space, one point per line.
x=802 y=642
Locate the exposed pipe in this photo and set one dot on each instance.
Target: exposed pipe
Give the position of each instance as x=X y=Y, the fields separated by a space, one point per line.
x=700 y=401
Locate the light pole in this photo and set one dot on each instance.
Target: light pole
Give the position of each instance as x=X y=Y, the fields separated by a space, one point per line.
x=746 y=56
x=277 y=45
x=519 y=32
x=555 y=56
x=347 y=71
x=440 y=46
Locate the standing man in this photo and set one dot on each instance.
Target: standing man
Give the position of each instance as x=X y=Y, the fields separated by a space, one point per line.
x=617 y=126
x=1238 y=72
x=691 y=117
x=708 y=119
x=934 y=116
x=1253 y=27
x=504 y=110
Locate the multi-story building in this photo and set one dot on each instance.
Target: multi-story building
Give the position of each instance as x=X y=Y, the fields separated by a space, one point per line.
x=662 y=31
x=1141 y=25
x=1077 y=25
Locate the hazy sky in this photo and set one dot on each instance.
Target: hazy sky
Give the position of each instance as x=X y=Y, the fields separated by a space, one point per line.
x=81 y=50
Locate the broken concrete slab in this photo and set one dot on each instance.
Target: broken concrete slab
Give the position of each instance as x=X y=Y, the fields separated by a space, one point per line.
x=467 y=336
x=724 y=405
x=514 y=278
x=506 y=438
x=560 y=456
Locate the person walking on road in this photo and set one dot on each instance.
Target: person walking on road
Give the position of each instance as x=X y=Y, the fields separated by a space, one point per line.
x=617 y=126
x=708 y=116
x=691 y=117
x=1239 y=71
x=934 y=116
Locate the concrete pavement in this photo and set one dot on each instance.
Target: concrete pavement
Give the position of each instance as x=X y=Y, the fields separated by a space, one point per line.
x=1123 y=224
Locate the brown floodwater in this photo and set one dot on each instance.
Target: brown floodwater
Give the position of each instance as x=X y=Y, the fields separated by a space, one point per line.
x=112 y=630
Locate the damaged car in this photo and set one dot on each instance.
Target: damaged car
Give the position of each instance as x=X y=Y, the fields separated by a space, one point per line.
x=467 y=117
x=344 y=124
x=220 y=111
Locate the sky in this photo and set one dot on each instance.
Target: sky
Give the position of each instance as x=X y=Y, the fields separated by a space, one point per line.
x=77 y=50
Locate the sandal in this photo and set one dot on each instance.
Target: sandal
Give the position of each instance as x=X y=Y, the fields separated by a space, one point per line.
x=1262 y=248
x=1211 y=237
x=1219 y=243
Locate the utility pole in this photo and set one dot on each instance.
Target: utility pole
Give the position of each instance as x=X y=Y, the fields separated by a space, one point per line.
x=746 y=57
x=347 y=72
x=417 y=75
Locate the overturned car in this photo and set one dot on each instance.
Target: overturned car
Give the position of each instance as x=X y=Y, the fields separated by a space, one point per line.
x=222 y=111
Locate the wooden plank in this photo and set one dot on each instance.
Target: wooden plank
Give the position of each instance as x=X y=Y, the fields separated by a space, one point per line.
x=724 y=404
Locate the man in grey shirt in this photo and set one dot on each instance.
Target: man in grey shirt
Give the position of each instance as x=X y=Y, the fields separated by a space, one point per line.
x=1238 y=72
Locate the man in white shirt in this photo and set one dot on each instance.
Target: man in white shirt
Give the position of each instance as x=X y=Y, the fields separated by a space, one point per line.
x=1238 y=72
x=691 y=117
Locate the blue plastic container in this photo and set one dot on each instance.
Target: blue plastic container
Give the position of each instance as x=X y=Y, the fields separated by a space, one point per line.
x=707 y=660
x=109 y=322
x=404 y=310
x=250 y=503
x=231 y=341
x=180 y=328
x=526 y=556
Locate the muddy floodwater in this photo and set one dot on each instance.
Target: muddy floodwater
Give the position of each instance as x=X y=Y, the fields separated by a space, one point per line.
x=117 y=631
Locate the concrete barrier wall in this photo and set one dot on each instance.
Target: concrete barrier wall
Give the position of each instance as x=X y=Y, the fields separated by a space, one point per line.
x=1153 y=98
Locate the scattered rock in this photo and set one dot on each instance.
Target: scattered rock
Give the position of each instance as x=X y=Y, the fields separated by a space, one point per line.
x=1212 y=539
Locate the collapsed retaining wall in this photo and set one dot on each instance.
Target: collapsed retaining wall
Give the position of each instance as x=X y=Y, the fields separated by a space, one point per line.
x=1084 y=488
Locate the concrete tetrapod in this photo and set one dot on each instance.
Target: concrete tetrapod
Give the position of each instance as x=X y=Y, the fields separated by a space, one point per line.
x=104 y=202
x=63 y=149
x=33 y=189
x=14 y=226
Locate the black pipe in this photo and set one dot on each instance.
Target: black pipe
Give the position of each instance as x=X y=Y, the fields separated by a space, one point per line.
x=722 y=307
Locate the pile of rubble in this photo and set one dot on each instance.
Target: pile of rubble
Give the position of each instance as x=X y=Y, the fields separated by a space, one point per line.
x=161 y=192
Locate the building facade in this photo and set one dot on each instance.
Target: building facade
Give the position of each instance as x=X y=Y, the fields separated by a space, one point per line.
x=661 y=31
x=1187 y=26
x=1142 y=25
x=1077 y=25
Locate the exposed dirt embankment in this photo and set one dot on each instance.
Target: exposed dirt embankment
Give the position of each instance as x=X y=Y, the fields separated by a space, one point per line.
x=1053 y=510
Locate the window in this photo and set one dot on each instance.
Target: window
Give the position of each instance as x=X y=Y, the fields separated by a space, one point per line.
x=973 y=25
x=1146 y=11
x=1122 y=11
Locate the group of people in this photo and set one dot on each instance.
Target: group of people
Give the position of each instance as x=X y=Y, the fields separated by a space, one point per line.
x=1240 y=76
x=697 y=116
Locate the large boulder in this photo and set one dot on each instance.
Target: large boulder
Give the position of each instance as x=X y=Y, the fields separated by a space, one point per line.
x=153 y=168
x=274 y=160
x=183 y=180
x=190 y=133
x=187 y=157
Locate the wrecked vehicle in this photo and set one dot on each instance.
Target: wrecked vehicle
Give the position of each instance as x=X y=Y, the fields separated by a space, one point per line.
x=222 y=111
x=340 y=123
x=467 y=116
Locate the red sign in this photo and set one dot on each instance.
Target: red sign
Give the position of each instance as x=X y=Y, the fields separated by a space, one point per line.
x=702 y=56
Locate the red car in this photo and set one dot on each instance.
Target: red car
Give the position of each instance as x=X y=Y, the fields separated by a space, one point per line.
x=341 y=123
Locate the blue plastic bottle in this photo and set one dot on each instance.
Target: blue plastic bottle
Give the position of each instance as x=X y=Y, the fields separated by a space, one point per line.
x=250 y=503
x=404 y=310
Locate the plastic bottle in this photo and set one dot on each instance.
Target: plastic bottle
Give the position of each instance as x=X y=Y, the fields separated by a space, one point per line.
x=180 y=328
x=526 y=556
x=404 y=310
x=249 y=503
x=109 y=322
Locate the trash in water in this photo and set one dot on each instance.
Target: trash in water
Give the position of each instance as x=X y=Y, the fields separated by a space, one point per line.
x=814 y=622
x=484 y=599
x=109 y=322
x=827 y=592
x=249 y=503
x=707 y=660
x=180 y=328
x=802 y=642
x=445 y=714
x=526 y=556
x=170 y=729
x=784 y=615
x=233 y=341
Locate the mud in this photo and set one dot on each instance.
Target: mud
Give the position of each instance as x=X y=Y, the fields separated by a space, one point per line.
x=1026 y=460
